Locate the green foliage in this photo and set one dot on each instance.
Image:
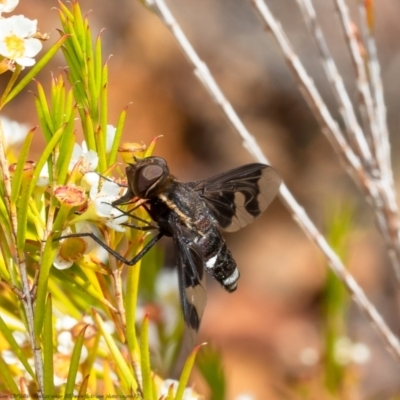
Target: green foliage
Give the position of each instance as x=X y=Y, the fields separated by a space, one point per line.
x=209 y=363
x=75 y=307
x=336 y=300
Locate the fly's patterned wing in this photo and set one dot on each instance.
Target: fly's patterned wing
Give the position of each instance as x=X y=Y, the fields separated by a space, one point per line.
x=240 y=195
x=191 y=277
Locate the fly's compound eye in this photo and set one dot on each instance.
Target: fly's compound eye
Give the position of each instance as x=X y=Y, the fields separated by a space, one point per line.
x=147 y=177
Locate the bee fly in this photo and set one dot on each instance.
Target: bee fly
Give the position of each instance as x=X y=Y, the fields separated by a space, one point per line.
x=192 y=214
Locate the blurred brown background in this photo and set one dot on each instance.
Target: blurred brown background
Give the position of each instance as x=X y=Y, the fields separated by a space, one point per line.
x=264 y=327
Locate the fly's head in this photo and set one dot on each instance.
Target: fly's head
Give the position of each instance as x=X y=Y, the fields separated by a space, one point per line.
x=148 y=176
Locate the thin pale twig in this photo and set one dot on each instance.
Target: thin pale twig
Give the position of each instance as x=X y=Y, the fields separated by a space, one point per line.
x=374 y=70
x=366 y=103
x=353 y=128
x=298 y=213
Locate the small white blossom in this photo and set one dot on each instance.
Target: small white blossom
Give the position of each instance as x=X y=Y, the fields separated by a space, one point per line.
x=168 y=297
x=65 y=322
x=44 y=177
x=347 y=351
x=188 y=393
x=14 y=132
x=244 y=396
x=64 y=257
x=9 y=357
x=102 y=200
x=309 y=356
x=88 y=158
x=16 y=40
x=110 y=137
x=66 y=346
x=7 y=6
x=21 y=337
x=360 y=353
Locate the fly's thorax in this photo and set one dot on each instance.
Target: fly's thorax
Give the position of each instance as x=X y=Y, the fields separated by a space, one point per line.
x=188 y=206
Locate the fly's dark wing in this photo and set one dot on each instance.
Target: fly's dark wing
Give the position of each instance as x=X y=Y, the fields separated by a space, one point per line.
x=191 y=280
x=240 y=195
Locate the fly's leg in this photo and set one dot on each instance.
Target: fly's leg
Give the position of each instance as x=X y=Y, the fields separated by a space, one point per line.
x=118 y=256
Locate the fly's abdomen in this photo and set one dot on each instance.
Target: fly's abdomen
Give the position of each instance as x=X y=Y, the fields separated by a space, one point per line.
x=218 y=260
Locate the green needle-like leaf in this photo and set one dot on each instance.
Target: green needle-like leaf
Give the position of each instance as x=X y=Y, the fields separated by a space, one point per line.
x=46 y=263
x=7 y=378
x=209 y=363
x=23 y=156
x=120 y=362
x=27 y=192
x=145 y=359
x=187 y=369
x=74 y=364
x=15 y=347
x=131 y=296
x=98 y=64
x=118 y=134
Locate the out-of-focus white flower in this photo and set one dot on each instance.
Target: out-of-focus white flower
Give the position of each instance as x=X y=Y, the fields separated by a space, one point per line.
x=347 y=351
x=88 y=158
x=309 y=356
x=44 y=177
x=360 y=353
x=9 y=357
x=102 y=200
x=188 y=393
x=244 y=396
x=66 y=346
x=110 y=137
x=168 y=297
x=8 y=5
x=16 y=40
x=99 y=367
x=14 y=132
x=71 y=249
x=65 y=322
x=21 y=337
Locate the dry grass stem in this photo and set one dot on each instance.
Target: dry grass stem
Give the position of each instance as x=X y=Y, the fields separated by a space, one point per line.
x=353 y=129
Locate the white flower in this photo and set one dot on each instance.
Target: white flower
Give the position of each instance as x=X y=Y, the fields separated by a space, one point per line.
x=9 y=357
x=188 y=393
x=168 y=297
x=21 y=337
x=65 y=322
x=347 y=351
x=71 y=249
x=14 y=132
x=44 y=177
x=110 y=137
x=88 y=158
x=16 y=40
x=309 y=356
x=244 y=396
x=66 y=346
x=8 y=5
x=102 y=200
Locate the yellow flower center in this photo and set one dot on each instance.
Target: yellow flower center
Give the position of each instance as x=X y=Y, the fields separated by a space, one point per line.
x=72 y=249
x=15 y=46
